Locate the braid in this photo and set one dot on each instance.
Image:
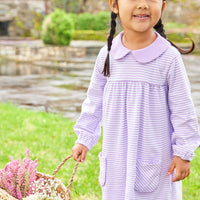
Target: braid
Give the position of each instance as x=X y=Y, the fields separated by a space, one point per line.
x=106 y=70
x=159 y=27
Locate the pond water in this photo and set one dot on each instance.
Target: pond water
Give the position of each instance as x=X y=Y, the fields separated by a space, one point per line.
x=45 y=88
x=60 y=90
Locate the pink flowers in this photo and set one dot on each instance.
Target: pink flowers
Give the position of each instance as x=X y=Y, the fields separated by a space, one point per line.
x=18 y=178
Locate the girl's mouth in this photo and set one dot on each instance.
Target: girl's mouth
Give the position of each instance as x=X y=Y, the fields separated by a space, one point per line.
x=141 y=16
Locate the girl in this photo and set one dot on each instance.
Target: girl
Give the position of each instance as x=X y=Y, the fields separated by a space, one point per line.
x=140 y=89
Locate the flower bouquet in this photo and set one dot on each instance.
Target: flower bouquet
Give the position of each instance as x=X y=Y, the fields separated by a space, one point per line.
x=22 y=181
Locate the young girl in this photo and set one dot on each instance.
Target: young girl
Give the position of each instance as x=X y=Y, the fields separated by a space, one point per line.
x=140 y=89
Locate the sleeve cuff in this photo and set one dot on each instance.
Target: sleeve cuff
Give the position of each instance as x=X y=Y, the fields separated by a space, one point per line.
x=87 y=139
x=183 y=153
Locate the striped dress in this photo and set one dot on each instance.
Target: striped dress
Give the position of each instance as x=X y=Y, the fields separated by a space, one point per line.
x=148 y=117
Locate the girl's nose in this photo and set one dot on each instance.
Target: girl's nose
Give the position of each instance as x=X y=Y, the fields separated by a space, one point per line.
x=143 y=5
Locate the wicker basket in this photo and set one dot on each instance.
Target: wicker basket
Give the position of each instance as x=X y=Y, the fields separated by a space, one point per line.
x=65 y=191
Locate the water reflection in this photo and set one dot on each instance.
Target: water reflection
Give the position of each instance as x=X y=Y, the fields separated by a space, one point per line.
x=51 y=89
x=63 y=89
x=18 y=68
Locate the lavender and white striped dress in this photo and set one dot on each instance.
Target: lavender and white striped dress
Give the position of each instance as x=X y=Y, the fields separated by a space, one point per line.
x=148 y=117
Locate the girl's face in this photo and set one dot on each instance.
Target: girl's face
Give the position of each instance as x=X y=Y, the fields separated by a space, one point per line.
x=138 y=15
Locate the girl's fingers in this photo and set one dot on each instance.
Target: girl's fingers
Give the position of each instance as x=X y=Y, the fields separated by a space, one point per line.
x=176 y=178
x=184 y=176
x=188 y=173
x=79 y=152
x=182 y=169
x=75 y=156
x=76 y=153
x=171 y=169
x=180 y=176
x=83 y=155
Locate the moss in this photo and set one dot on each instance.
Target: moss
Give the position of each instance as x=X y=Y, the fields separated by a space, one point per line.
x=27 y=33
x=73 y=87
x=19 y=23
x=90 y=35
x=37 y=21
x=180 y=37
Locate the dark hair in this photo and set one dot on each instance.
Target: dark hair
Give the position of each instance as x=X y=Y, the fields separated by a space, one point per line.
x=106 y=70
x=159 y=27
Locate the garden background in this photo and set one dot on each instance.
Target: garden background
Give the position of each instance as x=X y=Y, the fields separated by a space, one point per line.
x=59 y=25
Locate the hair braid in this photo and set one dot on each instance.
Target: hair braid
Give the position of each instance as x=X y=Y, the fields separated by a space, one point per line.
x=159 y=27
x=106 y=70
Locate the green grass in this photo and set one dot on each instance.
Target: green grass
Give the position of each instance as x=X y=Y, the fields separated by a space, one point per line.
x=191 y=185
x=73 y=87
x=171 y=25
x=50 y=138
x=90 y=35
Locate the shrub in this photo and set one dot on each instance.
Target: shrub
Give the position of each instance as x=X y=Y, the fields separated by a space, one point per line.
x=102 y=21
x=85 y=21
x=74 y=18
x=88 y=21
x=57 y=28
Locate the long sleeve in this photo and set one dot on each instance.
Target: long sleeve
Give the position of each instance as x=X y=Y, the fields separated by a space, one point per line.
x=185 y=133
x=88 y=126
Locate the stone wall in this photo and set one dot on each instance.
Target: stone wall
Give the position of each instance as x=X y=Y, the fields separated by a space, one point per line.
x=39 y=52
x=186 y=12
x=96 y=6
x=24 y=16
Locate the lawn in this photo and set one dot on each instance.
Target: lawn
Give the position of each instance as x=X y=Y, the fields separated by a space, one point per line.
x=50 y=138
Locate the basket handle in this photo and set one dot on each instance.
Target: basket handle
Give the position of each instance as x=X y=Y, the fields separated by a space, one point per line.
x=75 y=169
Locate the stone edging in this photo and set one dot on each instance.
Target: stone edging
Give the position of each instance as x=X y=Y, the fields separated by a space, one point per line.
x=30 y=54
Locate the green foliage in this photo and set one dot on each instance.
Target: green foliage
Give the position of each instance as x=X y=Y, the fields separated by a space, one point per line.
x=88 y=21
x=85 y=21
x=170 y=25
x=102 y=21
x=37 y=21
x=179 y=37
x=19 y=23
x=57 y=28
x=74 y=18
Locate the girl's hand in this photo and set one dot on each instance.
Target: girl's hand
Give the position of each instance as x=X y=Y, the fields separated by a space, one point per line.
x=79 y=152
x=182 y=168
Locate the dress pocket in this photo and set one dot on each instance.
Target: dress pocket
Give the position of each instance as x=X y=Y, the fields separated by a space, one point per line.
x=147 y=176
x=103 y=163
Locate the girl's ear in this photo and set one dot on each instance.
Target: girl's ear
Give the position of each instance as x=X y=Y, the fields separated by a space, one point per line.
x=114 y=6
x=163 y=7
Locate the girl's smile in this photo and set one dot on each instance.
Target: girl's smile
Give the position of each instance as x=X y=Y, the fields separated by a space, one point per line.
x=141 y=17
